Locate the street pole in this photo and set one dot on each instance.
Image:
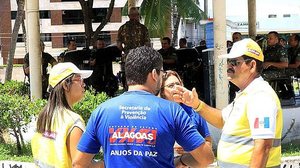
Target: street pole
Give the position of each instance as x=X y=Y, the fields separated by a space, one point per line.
x=33 y=30
x=220 y=65
x=252 y=18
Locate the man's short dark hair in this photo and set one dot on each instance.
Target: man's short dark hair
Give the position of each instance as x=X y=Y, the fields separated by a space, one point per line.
x=139 y=63
x=239 y=33
x=70 y=40
x=296 y=37
x=182 y=40
x=275 y=34
x=168 y=39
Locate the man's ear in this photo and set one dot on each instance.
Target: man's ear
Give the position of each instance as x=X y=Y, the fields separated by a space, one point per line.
x=253 y=66
x=154 y=74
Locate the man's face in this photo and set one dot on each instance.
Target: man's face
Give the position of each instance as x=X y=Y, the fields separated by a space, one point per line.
x=159 y=81
x=100 y=44
x=293 y=42
x=134 y=16
x=237 y=70
x=236 y=37
x=72 y=46
x=165 y=44
x=272 y=39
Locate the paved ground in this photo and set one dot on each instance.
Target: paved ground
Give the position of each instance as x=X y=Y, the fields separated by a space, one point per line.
x=18 y=73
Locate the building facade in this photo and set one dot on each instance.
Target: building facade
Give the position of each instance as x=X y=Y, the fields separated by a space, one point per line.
x=59 y=21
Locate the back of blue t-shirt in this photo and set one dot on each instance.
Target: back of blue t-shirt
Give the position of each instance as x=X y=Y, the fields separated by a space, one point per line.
x=139 y=129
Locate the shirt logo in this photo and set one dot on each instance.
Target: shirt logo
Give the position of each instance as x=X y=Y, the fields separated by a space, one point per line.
x=132 y=135
x=262 y=122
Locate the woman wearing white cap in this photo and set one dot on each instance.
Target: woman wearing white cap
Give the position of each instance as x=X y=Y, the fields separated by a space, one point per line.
x=58 y=127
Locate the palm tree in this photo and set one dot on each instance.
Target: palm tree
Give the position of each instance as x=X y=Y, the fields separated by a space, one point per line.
x=159 y=13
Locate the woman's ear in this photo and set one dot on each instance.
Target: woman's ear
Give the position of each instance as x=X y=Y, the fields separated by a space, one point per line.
x=65 y=86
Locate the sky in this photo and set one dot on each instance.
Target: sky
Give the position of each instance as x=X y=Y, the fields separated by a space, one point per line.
x=263 y=7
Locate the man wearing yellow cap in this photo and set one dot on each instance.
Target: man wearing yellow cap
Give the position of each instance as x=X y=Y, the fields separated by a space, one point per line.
x=252 y=124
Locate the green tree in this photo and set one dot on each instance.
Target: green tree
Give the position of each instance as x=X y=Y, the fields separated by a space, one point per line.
x=87 y=11
x=159 y=14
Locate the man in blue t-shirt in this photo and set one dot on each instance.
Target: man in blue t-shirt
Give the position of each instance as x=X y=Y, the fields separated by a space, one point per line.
x=138 y=129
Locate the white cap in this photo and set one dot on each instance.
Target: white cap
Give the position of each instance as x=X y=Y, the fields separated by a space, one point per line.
x=246 y=47
x=62 y=70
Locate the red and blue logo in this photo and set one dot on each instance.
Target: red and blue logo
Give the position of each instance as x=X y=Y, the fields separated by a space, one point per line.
x=132 y=135
x=262 y=122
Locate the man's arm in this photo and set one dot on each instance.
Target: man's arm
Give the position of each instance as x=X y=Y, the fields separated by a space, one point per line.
x=279 y=65
x=261 y=153
x=296 y=65
x=83 y=160
x=203 y=155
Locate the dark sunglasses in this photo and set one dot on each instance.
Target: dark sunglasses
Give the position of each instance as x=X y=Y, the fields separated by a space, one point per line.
x=236 y=62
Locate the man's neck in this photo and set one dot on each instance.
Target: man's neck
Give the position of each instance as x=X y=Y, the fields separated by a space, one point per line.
x=139 y=87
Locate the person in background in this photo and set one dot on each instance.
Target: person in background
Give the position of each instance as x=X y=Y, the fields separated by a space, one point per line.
x=103 y=79
x=170 y=80
x=168 y=53
x=137 y=128
x=275 y=55
x=132 y=34
x=252 y=124
x=294 y=51
x=46 y=60
x=282 y=42
x=236 y=36
x=71 y=46
x=182 y=43
x=58 y=127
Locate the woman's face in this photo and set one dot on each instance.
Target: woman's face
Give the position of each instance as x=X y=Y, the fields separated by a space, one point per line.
x=76 y=91
x=169 y=85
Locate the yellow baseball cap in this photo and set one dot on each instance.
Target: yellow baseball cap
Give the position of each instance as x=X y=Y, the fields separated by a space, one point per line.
x=61 y=71
x=246 y=47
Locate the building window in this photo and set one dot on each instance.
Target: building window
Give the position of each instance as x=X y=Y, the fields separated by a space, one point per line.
x=20 y=38
x=72 y=17
x=46 y=36
x=99 y=14
x=44 y=14
x=13 y=14
x=272 y=16
x=105 y=35
x=79 y=38
x=286 y=15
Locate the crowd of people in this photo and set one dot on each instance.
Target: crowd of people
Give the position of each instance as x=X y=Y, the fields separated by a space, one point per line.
x=161 y=111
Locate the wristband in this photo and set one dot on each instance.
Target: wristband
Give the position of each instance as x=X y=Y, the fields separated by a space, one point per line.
x=200 y=106
x=182 y=161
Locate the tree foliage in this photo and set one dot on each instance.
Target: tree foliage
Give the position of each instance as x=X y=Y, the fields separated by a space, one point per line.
x=87 y=8
x=158 y=14
x=17 y=110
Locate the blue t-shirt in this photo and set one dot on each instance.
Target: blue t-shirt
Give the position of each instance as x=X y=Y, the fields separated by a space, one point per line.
x=199 y=122
x=138 y=129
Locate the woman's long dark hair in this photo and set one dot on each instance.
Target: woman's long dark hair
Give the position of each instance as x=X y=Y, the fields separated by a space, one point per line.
x=57 y=100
